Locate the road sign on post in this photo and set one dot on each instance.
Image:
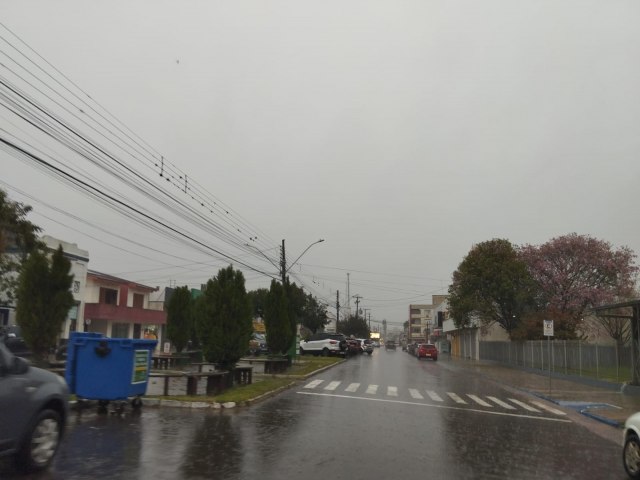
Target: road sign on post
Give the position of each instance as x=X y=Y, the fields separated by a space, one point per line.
x=548 y=332
x=548 y=328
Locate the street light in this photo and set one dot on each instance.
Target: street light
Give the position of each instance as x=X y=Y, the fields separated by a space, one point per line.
x=284 y=270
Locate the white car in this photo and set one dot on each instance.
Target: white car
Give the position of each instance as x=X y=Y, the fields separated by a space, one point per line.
x=324 y=343
x=631 y=445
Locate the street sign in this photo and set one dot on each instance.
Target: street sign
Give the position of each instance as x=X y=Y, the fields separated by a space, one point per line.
x=548 y=328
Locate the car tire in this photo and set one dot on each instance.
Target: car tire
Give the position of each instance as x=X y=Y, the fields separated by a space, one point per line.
x=325 y=352
x=631 y=456
x=369 y=353
x=42 y=441
x=301 y=351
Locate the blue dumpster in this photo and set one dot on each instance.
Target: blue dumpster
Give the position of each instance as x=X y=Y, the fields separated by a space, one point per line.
x=102 y=368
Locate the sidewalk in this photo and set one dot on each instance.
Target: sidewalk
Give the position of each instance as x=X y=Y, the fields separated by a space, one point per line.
x=597 y=399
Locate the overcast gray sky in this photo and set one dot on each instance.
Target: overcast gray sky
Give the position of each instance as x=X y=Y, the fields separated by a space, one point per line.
x=401 y=132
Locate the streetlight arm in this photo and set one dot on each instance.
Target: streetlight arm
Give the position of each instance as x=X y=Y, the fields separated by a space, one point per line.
x=300 y=256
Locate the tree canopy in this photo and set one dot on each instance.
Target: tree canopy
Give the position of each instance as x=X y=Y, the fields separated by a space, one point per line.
x=180 y=317
x=276 y=320
x=223 y=318
x=576 y=272
x=44 y=299
x=356 y=326
x=18 y=238
x=491 y=284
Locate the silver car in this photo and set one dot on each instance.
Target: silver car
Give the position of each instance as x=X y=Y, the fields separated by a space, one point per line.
x=34 y=405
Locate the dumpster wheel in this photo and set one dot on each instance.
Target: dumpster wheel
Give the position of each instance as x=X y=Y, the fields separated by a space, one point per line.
x=136 y=403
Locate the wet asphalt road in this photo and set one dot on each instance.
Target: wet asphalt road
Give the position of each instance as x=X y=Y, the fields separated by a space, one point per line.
x=386 y=416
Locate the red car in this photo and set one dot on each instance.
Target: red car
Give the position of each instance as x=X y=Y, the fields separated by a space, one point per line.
x=427 y=350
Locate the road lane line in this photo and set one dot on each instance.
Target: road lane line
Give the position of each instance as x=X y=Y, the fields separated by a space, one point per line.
x=313 y=384
x=548 y=408
x=501 y=403
x=392 y=391
x=415 y=394
x=456 y=398
x=372 y=389
x=479 y=401
x=353 y=387
x=431 y=405
x=434 y=396
x=332 y=386
x=524 y=405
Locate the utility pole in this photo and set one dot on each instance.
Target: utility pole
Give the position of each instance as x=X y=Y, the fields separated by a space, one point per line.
x=283 y=264
x=348 y=297
x=337 y=309
x=357 y=297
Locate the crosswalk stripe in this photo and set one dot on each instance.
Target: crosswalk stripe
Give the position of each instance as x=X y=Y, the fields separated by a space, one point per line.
x=372 y=389
x=353 y=387
x=313 y=384
x=392 y=391
x=415 y=394
x=456 y=398
x=332 y=385
x=524 y=405
x=434 y=396
x=548 y=408
x=478 y=400
x=501 y=403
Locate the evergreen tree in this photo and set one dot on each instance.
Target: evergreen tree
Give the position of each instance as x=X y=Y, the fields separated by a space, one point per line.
x=180 y=317
x=18 y=238
x=44 y=300
x=223 y=318
x=276 y=320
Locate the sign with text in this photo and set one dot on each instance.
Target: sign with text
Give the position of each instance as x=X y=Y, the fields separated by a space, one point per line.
x=548 y=328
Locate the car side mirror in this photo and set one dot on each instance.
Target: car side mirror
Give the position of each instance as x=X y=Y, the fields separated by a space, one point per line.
x=20 y=366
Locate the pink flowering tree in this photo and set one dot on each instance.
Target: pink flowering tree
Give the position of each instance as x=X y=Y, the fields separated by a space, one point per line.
x=576 y=272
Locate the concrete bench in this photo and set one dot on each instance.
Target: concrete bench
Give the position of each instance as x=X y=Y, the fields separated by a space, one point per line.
x=216 y=381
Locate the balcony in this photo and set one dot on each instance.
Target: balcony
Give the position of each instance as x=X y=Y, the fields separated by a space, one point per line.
x=115 y=313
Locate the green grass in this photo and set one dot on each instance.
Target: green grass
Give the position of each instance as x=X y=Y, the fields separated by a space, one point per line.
x=240 y=394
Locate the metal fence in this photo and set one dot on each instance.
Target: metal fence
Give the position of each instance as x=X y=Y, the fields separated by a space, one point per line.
x=571 y=357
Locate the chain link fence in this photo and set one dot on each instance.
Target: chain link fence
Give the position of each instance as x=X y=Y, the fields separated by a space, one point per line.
x=571 y=357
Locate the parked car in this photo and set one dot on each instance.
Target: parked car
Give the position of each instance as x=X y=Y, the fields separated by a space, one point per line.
x=324 y=343
x=389 y=345
x=34 y=405
x=411 y=348
x=11 y=336
x=353 y=346
x=427 y=350
x=367 y=346
x=631 y=446
x=258 y=344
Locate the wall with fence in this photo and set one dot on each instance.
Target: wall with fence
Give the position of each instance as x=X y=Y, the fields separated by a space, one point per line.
x=571 y=357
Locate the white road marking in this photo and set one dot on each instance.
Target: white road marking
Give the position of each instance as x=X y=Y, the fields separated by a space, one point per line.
x=372 y=389
x=353 y=387
x=415 y=394
x=313 y=384
x=548 y=408
x=456 y=398
x=432 y=405
x=524 y=405
x=332 y=386
x=434 y=396
x=501 y=403
x=392 y=391
x=478 y=400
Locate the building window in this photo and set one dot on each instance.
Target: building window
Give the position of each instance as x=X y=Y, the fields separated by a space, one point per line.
x=138 y=300
x=108 y=296
x=120 y=330
x=415 y=311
